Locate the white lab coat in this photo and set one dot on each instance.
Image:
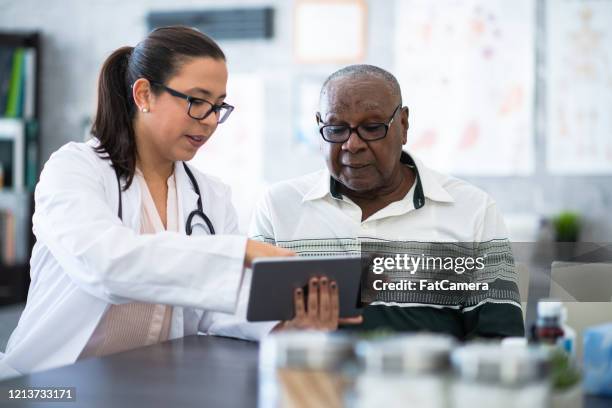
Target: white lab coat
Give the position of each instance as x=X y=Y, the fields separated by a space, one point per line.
x=86 y=259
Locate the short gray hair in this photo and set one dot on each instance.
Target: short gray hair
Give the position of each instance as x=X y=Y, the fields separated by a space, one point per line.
x=364 y=70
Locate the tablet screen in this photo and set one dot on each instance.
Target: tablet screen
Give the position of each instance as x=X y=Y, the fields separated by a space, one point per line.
x=275 y=279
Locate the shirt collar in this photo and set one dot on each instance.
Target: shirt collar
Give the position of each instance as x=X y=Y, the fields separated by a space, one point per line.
x=430 y=180
x=428 y=184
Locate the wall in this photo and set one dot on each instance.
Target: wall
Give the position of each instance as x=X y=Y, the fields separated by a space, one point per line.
x=78 y=36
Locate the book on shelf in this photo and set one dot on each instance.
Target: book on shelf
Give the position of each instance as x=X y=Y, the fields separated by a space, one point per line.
x=17 y=82
x=6 y=64
x=7 y=237
x=29 y=86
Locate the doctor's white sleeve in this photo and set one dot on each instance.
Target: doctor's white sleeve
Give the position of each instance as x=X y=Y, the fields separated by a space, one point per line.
x=236 y=325
x=112 y=262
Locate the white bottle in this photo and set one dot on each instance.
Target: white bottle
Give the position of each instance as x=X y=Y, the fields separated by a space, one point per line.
x=551 y=326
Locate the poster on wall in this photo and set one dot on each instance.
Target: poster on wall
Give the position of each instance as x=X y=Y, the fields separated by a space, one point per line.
x=466 y=69
x=234 y=153
x=579 y=87
x=330 y=31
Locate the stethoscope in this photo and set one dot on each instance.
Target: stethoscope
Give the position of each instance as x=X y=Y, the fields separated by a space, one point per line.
x=199 y=212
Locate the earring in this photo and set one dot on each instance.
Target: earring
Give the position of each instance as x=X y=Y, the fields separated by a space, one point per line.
x=144 y=110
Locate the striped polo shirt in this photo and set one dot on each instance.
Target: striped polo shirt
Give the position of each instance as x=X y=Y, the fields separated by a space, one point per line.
x=310 y=216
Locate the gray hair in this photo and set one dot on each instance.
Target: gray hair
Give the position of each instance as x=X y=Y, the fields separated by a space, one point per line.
x=364 y=70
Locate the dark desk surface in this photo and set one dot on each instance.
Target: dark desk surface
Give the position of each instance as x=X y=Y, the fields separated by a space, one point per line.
x=198 y=371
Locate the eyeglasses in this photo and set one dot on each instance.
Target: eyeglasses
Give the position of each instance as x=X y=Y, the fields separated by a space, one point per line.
x=366 y=131
x=199 y=108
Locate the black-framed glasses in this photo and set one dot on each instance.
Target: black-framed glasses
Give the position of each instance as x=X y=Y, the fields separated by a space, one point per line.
x=366 y=131
x=199 y=108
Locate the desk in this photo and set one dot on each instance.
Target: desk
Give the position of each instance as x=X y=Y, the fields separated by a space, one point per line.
x=197 y=371
x=194 y=371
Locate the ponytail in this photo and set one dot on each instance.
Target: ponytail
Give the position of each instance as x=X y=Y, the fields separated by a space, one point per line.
x=113 y=123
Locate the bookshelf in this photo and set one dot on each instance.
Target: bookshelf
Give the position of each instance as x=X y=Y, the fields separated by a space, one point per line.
x=20 y=84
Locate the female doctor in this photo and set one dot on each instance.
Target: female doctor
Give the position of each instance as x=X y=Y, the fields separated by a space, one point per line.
x=133 y=244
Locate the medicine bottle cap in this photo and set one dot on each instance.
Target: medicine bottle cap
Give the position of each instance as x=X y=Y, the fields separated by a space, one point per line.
x=550 y=308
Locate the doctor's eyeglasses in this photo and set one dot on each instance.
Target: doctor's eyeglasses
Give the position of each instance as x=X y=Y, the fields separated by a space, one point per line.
x=199 y=108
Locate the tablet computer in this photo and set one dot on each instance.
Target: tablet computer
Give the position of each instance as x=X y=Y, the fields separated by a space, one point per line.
x=275 y=279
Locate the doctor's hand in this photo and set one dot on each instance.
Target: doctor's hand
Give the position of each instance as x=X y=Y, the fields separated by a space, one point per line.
x=322 y=311
x=255 y=249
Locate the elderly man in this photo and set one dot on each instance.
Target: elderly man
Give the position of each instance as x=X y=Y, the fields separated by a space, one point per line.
x=374 y=190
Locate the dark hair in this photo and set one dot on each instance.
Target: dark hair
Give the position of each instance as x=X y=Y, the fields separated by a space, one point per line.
x=157 y=58
x=361 y=71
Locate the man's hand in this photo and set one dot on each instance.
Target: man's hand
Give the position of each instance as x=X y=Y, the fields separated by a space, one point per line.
x=323 y=310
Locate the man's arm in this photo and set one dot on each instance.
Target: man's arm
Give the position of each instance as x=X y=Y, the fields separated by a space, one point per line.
x=497 y=311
